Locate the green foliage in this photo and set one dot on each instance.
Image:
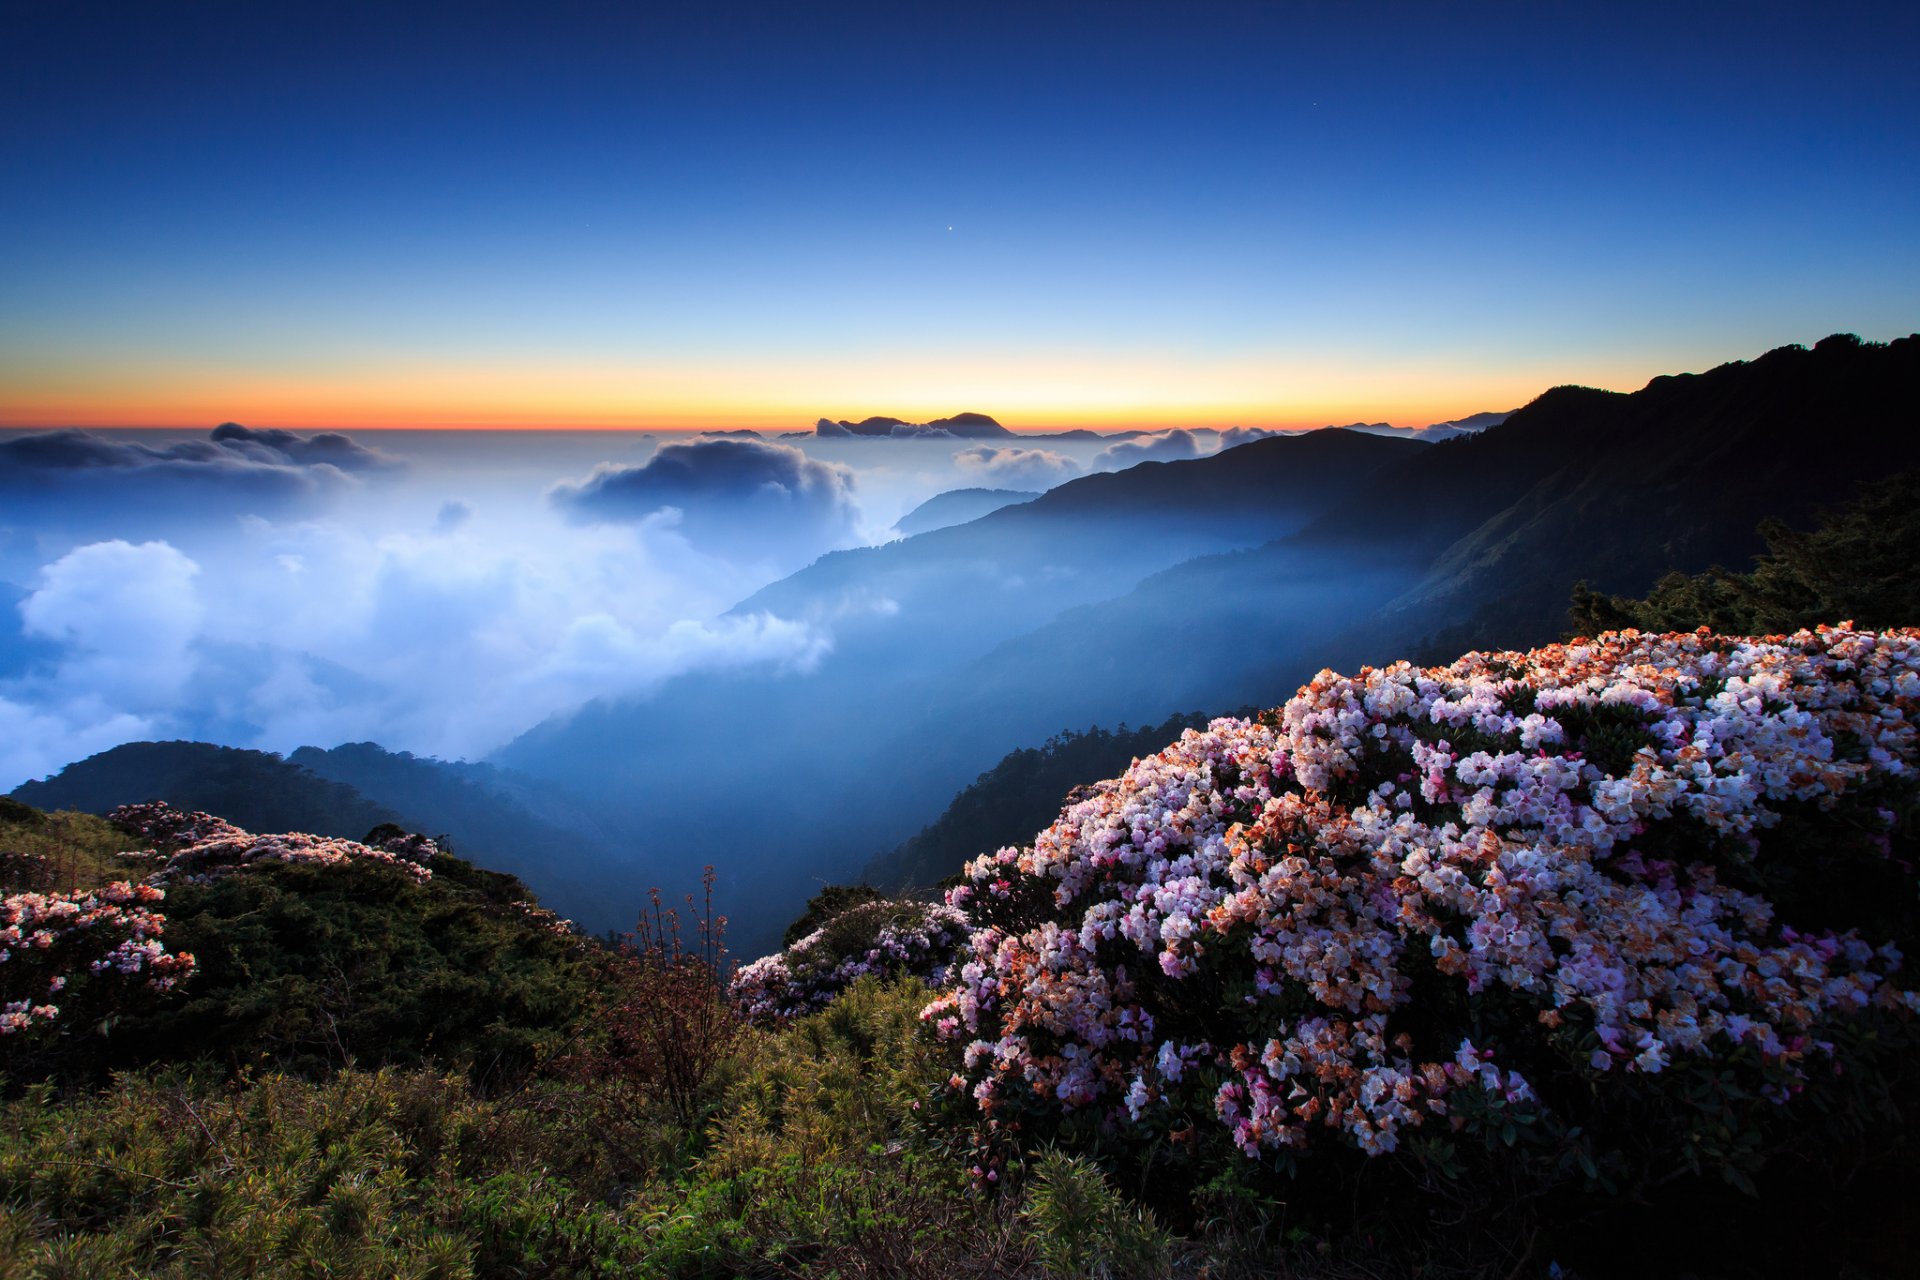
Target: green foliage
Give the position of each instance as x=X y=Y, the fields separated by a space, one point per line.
x=306 y=968
x=814 y=1169
x=1083 y=1227
x=41 y=851
x=825 y=905
x=1861 y=564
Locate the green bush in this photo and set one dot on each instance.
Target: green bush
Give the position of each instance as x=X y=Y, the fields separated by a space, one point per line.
x=306 y=968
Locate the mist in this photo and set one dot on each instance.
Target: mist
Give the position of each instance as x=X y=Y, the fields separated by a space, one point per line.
x=640 y=622
x=437 y=592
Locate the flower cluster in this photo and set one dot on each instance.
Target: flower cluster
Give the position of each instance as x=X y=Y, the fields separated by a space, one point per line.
x=890 y=938
x=1298 y=925
x=159 y=823
x=204 y=846
x=54 y=944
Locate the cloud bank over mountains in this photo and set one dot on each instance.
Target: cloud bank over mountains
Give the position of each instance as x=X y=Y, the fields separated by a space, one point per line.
x=443 y=592
x=740 y=498
x=1165 y=446
x=1012 y=467
x=231 y=454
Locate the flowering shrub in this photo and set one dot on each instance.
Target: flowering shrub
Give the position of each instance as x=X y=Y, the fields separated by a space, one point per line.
x=885 y=937
x=204 y=846
x=80 y=951
x=1499 y=899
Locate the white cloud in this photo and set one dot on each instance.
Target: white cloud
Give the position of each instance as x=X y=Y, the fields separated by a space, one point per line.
x=745 y=499
x=1014 y=467
x=36 y=742
x=126 y=615
x=1167 y=446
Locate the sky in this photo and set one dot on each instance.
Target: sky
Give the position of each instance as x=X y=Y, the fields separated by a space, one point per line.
x=723 y=215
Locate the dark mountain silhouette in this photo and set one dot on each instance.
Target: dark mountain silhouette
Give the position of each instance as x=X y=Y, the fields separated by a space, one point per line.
x=528 y=827
x=957 y=506
x=971 y=426
x=525 y=827
x=257 y=790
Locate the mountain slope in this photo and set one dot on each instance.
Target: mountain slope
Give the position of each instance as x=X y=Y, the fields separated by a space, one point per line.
x=957 y=506
x=528 y=829
x=1127 y=597
x=257 y=790
x=1017 y=797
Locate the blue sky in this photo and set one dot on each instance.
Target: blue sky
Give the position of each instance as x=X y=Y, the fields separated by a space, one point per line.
x=636 y=215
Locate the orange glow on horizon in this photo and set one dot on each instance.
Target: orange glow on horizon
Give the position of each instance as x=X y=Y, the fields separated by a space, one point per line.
x=1024 y=393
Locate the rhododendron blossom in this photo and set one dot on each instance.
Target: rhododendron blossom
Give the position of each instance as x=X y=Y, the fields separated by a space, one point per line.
x=49 y=941
x=1237 y=927
x=885 y=938
x=208 y=846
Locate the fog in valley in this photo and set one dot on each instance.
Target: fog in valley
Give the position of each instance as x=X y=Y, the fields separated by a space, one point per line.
x=736 y=614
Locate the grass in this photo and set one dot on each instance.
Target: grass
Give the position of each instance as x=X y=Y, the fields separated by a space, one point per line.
x=61 y=851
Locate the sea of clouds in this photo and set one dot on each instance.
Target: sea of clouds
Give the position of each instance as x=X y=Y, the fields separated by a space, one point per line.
x=439 y=592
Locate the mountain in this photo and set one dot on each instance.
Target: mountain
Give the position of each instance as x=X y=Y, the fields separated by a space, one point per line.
x=1473 y=422
x=518 y=825
x=257 y=790
x=957 y=506
x=961 y=426
x=1435 y=432
x=1622 y=488
x=530 y=828
x=857 y=754
x=1206 y=583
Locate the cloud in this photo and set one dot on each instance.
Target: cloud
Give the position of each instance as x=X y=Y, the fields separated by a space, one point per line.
x=97 y=485
x=284 y=448
x=125 y=616
x=603 y=653
x=1167 y=446
x=746 y=499
x=1008 y=467
x=35 y=742
x=229 y=450
x=1233 y=437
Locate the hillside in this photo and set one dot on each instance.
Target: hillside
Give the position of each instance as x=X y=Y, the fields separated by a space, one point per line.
x=528 y=829
x=256 y=789
x=957 y=506
x=1545 y=962
x=1133 y=595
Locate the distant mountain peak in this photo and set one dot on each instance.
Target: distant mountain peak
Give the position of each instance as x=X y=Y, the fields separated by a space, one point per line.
x=961 y=426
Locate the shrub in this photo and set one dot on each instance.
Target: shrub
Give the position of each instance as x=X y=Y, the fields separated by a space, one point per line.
x=665 y=1028
x=884 y=937
x=1083 y=1227
x=1603 y=914
x=70 y=963
x=307 y=952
